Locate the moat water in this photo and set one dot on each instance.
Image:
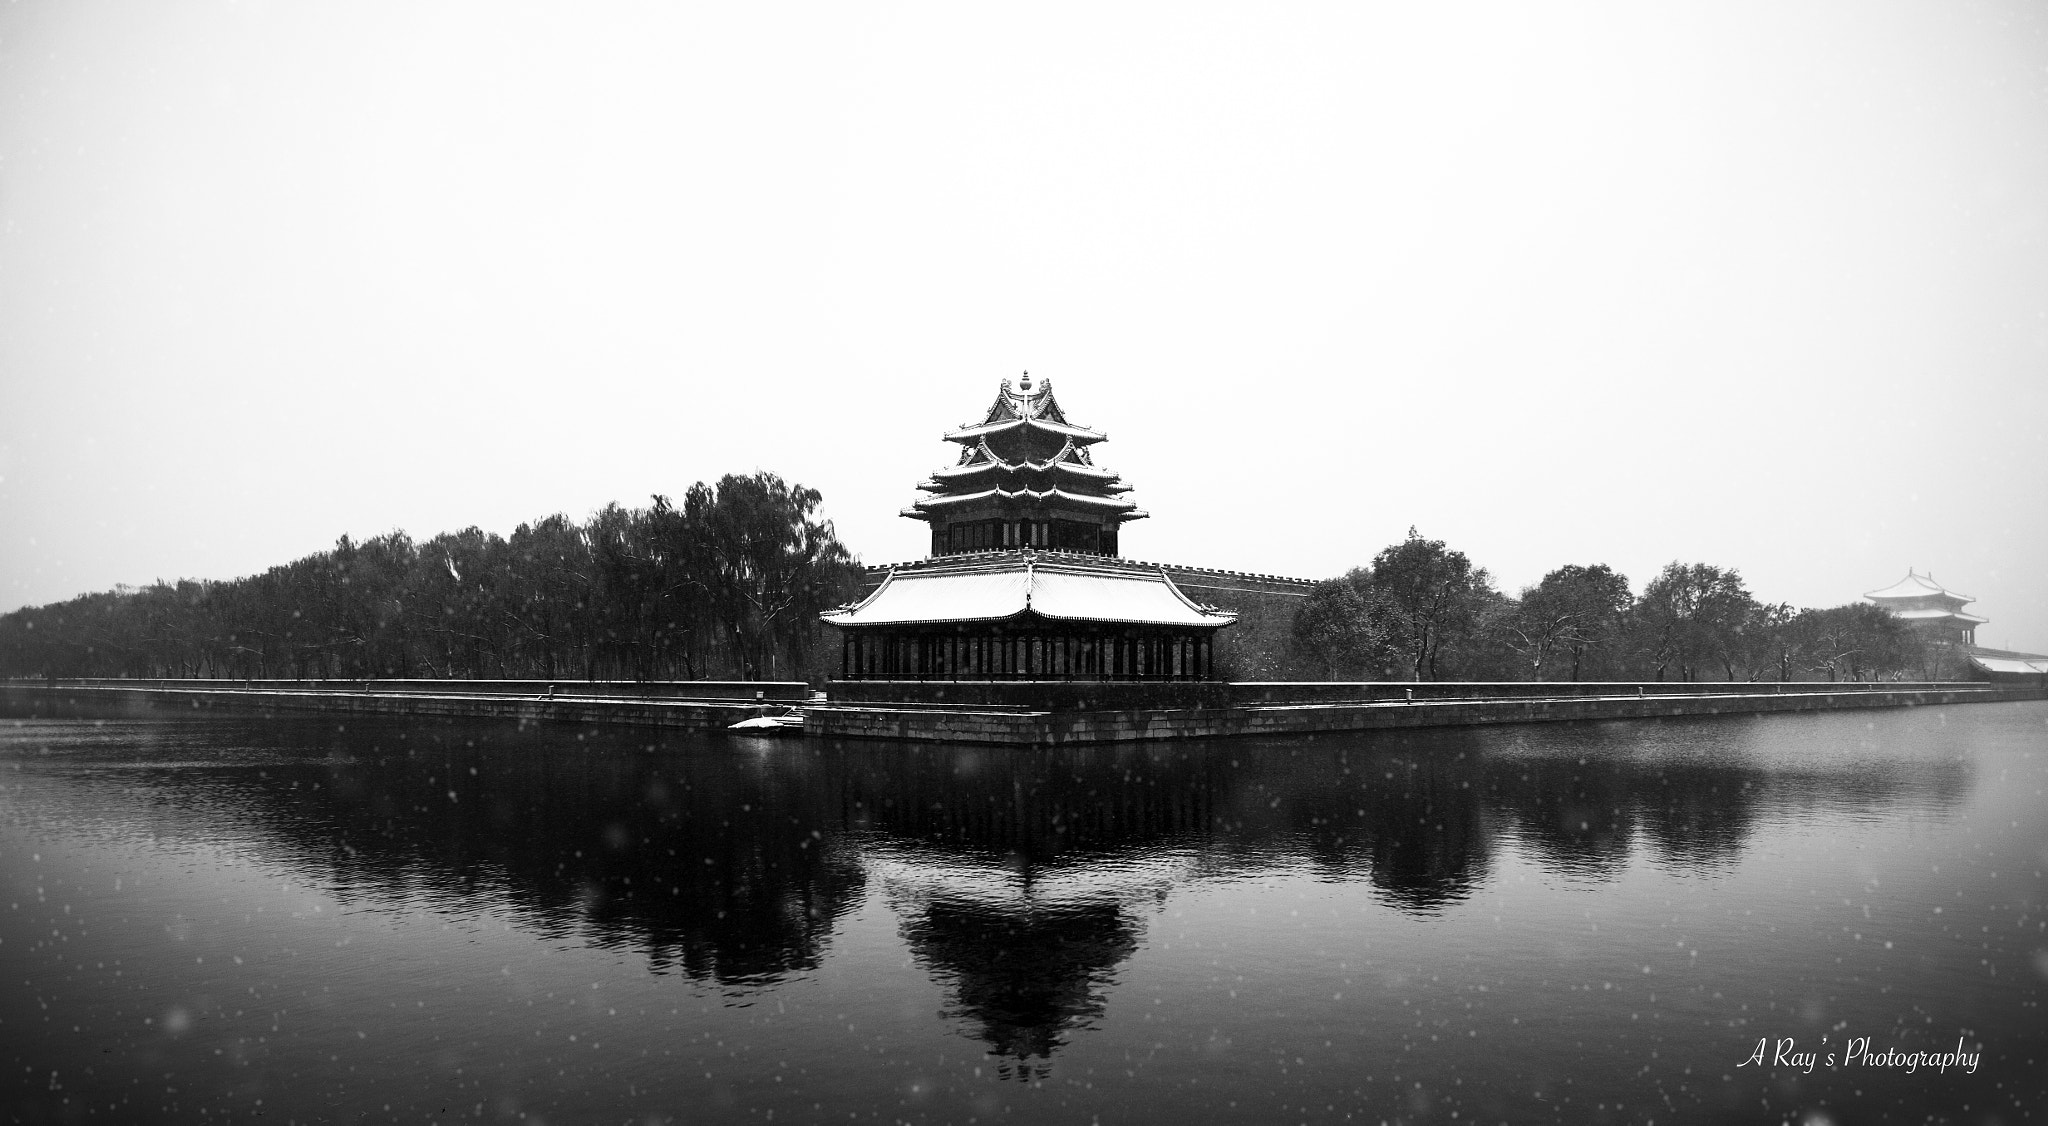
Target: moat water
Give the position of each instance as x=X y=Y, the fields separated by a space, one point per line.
x=233 y=919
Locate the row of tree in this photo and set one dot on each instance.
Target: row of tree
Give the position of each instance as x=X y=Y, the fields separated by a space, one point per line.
x=730 y=583
x=727 y=584
x=1421 y=611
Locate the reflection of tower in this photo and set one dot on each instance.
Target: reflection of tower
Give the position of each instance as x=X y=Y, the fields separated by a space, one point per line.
x=1016 y=876
x=1022 y=974
x=1046 y=808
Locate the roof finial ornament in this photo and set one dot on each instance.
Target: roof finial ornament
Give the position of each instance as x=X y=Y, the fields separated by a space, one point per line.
x=1026 y=384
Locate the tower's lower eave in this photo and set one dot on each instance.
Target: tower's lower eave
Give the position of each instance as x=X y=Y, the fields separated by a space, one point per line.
x=1027 y=615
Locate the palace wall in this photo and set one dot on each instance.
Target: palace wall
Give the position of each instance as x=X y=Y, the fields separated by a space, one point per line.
x=1256 y=648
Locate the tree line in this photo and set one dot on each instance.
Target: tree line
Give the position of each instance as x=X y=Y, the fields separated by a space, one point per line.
x=1421 y=611
x=727 y=584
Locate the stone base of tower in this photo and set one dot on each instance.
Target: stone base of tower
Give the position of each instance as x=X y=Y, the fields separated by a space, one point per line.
x=984 y=714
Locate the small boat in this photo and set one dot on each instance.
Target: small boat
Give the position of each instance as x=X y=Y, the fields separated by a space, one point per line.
x=769 y=725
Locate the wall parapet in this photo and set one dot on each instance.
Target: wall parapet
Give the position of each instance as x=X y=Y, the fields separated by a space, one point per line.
x=782 y=691
x=1022 y=727
x=1084 y=695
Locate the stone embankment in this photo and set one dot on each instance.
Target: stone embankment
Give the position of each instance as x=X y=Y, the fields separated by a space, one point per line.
x=1016 y=713
x=1000 y=713
x=671 y=703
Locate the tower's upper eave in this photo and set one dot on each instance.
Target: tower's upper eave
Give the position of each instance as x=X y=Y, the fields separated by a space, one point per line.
x=971 y=435
x=955 y=473
x=1916 y=585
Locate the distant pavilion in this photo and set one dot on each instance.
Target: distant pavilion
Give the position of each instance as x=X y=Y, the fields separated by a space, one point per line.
x=1024 y=581
x=1930 y=609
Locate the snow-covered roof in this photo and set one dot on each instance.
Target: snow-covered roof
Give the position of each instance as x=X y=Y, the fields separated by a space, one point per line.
x=1020 y=406
x=982 y=430
x=2021 y=665
x=970 y=468
x=1916 y=586
x=1052 y=494
x=1932 y=615
x=1015 y=586
x=1207 y=574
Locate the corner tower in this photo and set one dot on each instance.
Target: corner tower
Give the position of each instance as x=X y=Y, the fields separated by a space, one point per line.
x=1932 y=610
x=1024 y=582
x=1025 y=478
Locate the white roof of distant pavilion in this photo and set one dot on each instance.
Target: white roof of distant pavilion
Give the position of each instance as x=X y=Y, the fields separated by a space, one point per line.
x=1916 y=586
x=1944 y=615
x=1060 y=591
x=2021 y=665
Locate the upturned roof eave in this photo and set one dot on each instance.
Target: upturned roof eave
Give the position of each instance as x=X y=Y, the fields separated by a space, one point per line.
x=1934 y=615
x=981 y=430
x=1024 y=600
x=1214 y=619
x=1053 y=495
x=972 y=468
x=1916 y=585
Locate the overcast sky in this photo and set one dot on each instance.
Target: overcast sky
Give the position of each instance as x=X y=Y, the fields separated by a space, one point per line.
x=1763 y=285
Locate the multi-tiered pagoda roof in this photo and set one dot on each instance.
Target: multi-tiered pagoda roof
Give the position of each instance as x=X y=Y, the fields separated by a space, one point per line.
x=1025 y=478
x=1918 y=597
x=1929 y=607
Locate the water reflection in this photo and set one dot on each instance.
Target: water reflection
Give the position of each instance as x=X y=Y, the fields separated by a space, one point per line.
x=722 y=874
x=725 y=869
x=1030 y=807
x=1022 y=976
x=1017 y=878
x=1410 y=823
